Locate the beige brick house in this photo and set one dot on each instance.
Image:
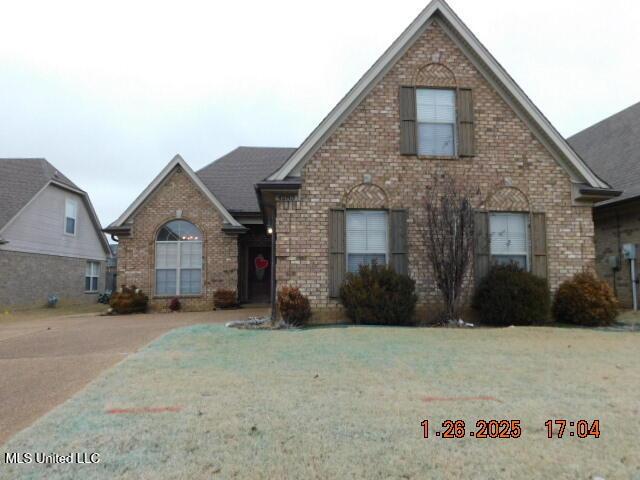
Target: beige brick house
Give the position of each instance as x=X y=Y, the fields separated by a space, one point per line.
x=435 y=103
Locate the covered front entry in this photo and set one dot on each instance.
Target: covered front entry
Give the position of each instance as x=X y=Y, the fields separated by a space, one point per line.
x=254 y=266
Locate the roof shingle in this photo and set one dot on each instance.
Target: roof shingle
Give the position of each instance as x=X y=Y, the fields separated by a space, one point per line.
x=612 y=149
x=231 y=178
x=21 y=179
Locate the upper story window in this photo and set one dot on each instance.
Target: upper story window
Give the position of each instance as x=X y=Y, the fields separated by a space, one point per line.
x=367 y=233
x=436 y=122
x=70 y=216
x=510 y=238
x=179 y=259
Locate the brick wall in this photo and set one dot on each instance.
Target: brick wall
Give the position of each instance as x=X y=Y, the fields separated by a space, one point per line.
x=136 y=254
x=26 y=279
x=512 y=168
x=616 y=226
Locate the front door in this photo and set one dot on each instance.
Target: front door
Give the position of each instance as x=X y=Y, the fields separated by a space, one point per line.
x=259 y=274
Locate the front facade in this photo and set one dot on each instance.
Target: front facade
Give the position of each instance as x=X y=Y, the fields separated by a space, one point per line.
x=51 y=243
x=354 y=192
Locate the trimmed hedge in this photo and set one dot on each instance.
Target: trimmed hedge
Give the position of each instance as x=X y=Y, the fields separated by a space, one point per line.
x=129 y=300
x=377 y=295
x=294 y=306
x=510 y=296
x=585 y=300
x=225 y=299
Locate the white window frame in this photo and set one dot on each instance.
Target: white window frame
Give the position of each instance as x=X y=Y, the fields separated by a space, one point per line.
x=454 y=124
x=527 y=232
x=92 y=271
x=348 y=252
x=178 y=268
x=73 y=203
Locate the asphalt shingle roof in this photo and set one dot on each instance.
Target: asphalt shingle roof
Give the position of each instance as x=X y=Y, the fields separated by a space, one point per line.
x=612 y=149
x=21 y=179
x=231 y=178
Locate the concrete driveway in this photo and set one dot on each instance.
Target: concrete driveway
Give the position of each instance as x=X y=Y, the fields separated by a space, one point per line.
x=44 y=361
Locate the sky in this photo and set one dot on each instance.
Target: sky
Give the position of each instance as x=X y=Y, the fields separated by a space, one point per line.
x=109 y=92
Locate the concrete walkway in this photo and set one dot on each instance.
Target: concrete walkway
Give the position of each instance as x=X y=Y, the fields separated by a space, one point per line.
x=44 y=361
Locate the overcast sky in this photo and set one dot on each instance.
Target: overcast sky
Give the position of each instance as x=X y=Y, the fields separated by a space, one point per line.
x=110 y=91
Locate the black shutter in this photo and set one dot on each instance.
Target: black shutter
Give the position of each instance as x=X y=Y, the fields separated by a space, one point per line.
x=408 y=145
x=337 y=260
x=398 y=241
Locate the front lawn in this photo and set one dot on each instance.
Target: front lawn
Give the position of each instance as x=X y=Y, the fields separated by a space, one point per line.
x=211 y=402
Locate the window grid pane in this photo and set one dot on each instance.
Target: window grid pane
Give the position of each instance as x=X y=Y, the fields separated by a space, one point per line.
x=190 y=283
x=354 y=260
x=166 y=255
x=436 y=139
x=190 y=255
x=166 y=282
x=70 y=226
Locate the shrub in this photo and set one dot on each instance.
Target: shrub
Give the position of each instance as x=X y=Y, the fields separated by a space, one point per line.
x=511 y=296
x=224 y=298
x=174 y=304
x=377 y=295
x=129 y=300
x=294 y=306
x=585 y=300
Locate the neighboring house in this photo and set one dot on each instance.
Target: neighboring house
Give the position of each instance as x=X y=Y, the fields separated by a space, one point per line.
x=435 y=103
x=51 y=241
x=612 y=149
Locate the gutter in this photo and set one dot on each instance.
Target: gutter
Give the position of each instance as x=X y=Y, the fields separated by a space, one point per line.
x=600 y=192
x=234 y=229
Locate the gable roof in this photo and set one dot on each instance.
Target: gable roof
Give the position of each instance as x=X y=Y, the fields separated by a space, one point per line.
x=22 y=180
x=177 y=161
x=482 y=59
x=232 y=177
x=612 y=149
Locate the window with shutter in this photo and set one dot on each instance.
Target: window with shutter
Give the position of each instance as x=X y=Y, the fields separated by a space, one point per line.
x=509 y=239
x=367 y=241
x=436 y=122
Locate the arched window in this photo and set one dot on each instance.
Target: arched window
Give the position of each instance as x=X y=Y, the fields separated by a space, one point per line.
x=179 y=259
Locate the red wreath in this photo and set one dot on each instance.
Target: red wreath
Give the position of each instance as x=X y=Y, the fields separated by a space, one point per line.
x=261 y=263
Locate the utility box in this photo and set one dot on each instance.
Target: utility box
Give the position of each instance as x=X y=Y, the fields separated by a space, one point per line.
x=629 y=251
x=614 y=262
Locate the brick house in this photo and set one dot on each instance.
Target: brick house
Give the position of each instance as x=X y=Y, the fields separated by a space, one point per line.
x=436 y=102
x=612 y=148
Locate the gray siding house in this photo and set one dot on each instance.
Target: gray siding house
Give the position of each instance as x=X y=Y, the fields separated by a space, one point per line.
x=50 y=237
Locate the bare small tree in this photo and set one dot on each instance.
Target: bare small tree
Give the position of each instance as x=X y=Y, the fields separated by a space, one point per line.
x=449 y=237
